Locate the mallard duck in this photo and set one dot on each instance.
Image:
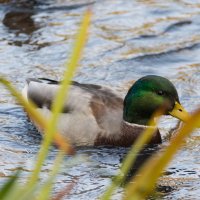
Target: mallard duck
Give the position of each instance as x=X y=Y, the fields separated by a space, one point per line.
x=95 y=115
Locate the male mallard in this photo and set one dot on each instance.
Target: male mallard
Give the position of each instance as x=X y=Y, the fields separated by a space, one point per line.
x=95 y=115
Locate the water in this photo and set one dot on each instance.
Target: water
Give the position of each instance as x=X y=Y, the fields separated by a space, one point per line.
x=128 y=39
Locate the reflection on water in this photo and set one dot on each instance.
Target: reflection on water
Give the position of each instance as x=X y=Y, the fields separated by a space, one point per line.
x=20 y=22
x=128 y=39
x=18 y=17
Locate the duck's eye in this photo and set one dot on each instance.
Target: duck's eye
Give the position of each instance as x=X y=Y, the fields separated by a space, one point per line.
x=160 y=92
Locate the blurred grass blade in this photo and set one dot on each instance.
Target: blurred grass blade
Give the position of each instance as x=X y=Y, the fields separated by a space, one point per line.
x=29 y=107
x=45 y=190
x=141 y=186
x=49 y=127
x=132 y=155
x=8 y=186
x=62 y=93
x=35 y=115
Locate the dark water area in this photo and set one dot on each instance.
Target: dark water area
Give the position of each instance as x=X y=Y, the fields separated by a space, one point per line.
x=128 y=39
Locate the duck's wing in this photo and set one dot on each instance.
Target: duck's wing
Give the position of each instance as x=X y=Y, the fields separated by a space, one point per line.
x=42 y=92
x=89 y=109
x=106 y=107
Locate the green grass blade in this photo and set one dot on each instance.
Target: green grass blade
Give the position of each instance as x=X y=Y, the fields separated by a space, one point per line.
x=30 y=108
x=8 y=186
x=45 y=190
x=39 y=191
x=50 y=127
x=141 y=186
x=35 y=115
x=61 y=95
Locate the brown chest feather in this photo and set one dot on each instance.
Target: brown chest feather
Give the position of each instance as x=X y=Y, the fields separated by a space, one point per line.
x=129 y=134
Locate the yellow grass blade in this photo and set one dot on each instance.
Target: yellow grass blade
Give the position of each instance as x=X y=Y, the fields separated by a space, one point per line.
x=141 y=186
x=132 y=155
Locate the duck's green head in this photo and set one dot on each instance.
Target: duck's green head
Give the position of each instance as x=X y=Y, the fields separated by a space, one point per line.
x=149 y=94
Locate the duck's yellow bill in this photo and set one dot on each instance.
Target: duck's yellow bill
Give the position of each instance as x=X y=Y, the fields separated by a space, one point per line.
x=179 y=112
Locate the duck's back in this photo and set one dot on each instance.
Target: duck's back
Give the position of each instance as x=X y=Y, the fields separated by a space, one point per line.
x=90 y=111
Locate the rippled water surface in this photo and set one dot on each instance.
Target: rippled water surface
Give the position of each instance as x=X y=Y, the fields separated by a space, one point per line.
x=128 y=39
